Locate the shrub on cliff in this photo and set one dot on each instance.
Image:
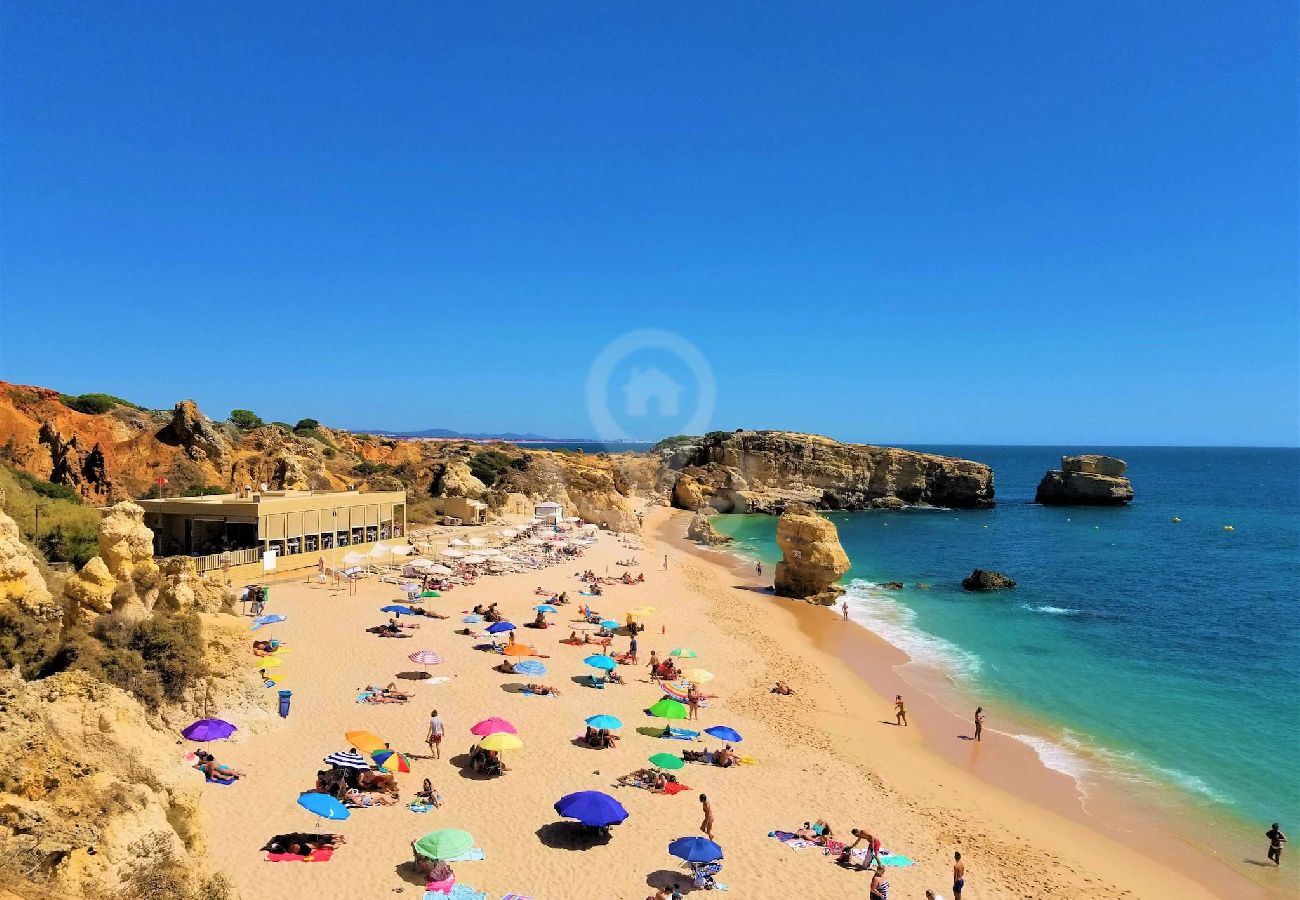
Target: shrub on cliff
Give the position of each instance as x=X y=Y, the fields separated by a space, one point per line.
x=245 y=419
x=95 y=404
x=306 y=425
x=365 y=467
x=24 y=642
x=488 y=465
x=156 y=874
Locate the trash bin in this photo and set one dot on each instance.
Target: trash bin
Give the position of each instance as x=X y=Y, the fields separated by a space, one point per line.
x=285 y=697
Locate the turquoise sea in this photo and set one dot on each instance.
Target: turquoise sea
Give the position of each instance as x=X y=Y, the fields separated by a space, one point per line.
x=1143 y=649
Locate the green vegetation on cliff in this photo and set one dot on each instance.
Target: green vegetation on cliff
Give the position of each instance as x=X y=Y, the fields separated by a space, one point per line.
x=51 y=517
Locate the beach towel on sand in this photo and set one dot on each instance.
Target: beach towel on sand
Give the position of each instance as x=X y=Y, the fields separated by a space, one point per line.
x=674 y=787
x=516 y=897
x=321 y=855
x=458 y=892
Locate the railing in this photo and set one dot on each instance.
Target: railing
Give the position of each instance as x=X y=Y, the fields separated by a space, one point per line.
x=230 y=557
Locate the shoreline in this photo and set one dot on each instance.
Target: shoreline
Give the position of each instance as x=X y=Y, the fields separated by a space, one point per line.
x=885 y=669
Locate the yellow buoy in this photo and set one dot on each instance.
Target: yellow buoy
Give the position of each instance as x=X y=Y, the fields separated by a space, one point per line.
x=1176 y=519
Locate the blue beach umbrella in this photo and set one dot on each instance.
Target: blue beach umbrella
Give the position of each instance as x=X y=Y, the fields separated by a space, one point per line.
x=604 y=721
x=546 y=608
x=498 y=627
x=600 y=661
x=530 y=667
x=611 y=624
x=472 y=619
x=266 y=620
x=724 y=733
x=323 y=805
x=591 y=808
x=695 y=849
x=400 y=610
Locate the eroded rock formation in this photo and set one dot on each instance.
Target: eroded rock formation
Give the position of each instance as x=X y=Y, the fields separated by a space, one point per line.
x=1087 y=480
x=765 y=471
x=812 y=560
x=21 y=583
x=987 y=580
x=585 y=485
x=701 y=528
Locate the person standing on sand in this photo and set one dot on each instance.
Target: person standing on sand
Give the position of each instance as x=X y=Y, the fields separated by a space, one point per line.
x=665 y=562
x=900 y=711
x=879 y=886
x=1275 y=841
x=758 y=568
x=958 y=875
x=434 y=738
x=979 y=722
x=707 y=825
x=844 y=608
x=693 y=702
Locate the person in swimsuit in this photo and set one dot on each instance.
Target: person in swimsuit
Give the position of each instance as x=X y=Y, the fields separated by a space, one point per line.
x=707 y=825
x=1275 y=841
x=979 y=722
x=958 y=875
x=434 y=737
x=844 y=608
x=900 y=711
x=879 y=886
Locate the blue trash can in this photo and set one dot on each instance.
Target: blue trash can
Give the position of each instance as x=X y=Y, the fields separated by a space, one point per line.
x=285 y=696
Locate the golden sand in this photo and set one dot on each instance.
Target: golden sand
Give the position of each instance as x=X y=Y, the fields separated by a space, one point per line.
x=821 y=754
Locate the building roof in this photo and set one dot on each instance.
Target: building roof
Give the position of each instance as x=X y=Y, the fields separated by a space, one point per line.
x=269 y=501
x=548 y=504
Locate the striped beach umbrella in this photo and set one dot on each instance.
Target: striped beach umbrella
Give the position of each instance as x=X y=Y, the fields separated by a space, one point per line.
x=674 y=690
x=530 y=667
x=425 y=657
x=697 y=676
x=684 y=653
x=346 y=760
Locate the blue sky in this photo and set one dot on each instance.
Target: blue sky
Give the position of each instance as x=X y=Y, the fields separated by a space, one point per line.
x=997 y=223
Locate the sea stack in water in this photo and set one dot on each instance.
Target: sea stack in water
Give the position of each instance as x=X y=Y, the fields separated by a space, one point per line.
x=812 y=560
x=702 y=531
x=987 y=580
x=1088 y=480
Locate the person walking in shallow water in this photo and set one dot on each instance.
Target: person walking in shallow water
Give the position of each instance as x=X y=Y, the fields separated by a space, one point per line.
x=844 y=609
x=979 y=722
x=1275 y=841
x=900 y=711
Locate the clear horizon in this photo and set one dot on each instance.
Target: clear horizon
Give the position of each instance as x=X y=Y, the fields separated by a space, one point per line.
x=1021 y=225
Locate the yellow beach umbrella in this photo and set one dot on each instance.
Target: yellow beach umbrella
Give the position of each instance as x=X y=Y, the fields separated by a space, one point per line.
x=268 y=662
x=365 y=741
x=502 y=740
x=697 y=676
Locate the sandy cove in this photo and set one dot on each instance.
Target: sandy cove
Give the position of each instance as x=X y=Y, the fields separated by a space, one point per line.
x=823 y=753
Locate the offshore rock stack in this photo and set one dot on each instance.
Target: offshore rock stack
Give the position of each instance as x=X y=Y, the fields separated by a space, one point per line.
x=1087 y=480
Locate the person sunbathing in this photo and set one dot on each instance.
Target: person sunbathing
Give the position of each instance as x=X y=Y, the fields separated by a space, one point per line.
x=606 y=740
x=725 y=758
x=392 y=691
x=263 y=648
x=505 y=667
x=377 y=781
x=783 y=689
x=393 y=623
x=542 y=690
x=300 y=844
x=612 y=677
x=207 y=764
x=355 y=798
x=371 y=695
x=572 y=639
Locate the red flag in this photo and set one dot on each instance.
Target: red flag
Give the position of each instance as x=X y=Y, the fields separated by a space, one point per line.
x=161 y=481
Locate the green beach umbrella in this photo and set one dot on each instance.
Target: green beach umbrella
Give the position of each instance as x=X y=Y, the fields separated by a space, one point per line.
x=668 y=708
x=667 y=761
x=445 y=843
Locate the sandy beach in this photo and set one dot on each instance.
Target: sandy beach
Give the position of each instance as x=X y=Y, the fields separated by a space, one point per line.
x=831 y=751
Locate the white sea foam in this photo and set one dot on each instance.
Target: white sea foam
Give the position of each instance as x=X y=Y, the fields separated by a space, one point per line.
x=896 y=623
x=1057 y=757
x=1052 y=610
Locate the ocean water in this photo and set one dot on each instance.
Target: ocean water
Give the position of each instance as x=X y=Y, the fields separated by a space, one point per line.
x=1142 y=649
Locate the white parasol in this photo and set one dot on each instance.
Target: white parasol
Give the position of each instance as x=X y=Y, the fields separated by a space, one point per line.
x=452 y=554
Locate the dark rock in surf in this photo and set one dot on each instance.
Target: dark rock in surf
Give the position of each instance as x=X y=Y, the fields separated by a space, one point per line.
x=987 y=580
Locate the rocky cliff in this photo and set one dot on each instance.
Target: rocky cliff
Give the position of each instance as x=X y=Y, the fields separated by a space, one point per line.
x=93 y=784
x=1087 y=480
x=812 y=560
x=701 y=528
x=764 y=471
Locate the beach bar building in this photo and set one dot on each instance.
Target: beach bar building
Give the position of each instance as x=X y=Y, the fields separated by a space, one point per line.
x=549 y=513
x=235 y=530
